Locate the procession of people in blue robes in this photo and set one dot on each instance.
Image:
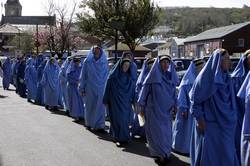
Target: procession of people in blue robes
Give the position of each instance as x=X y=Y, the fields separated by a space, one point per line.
x=205 y=117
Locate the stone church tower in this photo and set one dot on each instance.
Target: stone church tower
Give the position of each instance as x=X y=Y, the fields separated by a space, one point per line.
x=13 y=8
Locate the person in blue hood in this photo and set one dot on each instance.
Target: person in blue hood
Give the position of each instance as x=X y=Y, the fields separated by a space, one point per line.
x=158 y=100
x=63 y=84
x=6 y=73
x=50 y=83
x=239 y=75
x=119 y=95
x=244 y=93
x=21 y=86
x=138 y=130
x=184 y=121
x=92 y=83
x=213 y=105
x=40 y=89
x=31 y=79
x=75 y=102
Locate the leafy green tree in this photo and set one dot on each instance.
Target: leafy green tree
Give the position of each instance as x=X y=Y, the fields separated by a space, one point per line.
x=133 y=18
x=24 y=41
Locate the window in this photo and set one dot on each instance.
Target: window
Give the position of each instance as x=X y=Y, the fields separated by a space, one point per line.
x=241 y=42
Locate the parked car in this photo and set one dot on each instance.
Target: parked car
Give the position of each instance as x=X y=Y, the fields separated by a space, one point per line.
x=181 y=66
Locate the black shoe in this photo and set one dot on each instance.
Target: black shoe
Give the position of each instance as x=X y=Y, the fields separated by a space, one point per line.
x=167 y=159
x=102 y=131
x=67 y=112
x=47 y=107
x=55 y=109
x=29 y=100
x=160 y=161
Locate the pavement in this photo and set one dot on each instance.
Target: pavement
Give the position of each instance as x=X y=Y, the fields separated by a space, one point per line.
x=33 y=136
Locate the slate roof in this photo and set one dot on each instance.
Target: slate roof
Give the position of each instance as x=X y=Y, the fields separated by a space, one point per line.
x=216 y=33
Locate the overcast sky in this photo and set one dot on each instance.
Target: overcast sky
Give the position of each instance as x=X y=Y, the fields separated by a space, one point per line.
x=36 y=7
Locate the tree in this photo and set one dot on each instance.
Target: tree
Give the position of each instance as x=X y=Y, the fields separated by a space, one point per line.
x=24 y=41
x=133 y=18
x=58 y=36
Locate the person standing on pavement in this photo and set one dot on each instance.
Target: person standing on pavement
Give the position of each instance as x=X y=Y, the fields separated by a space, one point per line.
x=21 y=86
x=92 y=83
x=244 y=93
x=6 y=73
x=184 y=121
x=50 y=83
x=239 y=76
x=119 y=96
x=75 y=102
x=213 y=105
x=31 y=79
x=138 y=130
x=157 y=100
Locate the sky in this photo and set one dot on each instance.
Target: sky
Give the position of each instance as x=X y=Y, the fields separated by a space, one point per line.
x=37 y=7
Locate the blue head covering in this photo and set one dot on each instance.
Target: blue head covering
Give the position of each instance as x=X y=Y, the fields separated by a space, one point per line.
x=185 y=86
x=240 y=70
x=209 y=77
x=244 y=93
x=102 y=61
x=52 y=71
x=97 y=69
x=155 y=74
x=190 y=75
x=72 y=67
x=143 y=74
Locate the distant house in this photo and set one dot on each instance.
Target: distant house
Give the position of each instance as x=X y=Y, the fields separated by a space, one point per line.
x=140 y=51
x=173 y=47
x=234 y=38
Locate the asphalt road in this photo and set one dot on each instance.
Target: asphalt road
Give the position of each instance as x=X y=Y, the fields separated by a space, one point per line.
x=33 y=136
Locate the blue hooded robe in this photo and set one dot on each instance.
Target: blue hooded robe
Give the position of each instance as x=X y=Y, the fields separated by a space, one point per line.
x=158 y=98
x=31 y=79
x=183 y=127
x=63 y=84
x=213 y=100
x=244 y=93
x=50 y=83
x=40 y=89
x=93 y=78
x=76 y=106
x=239 y=76
x=6 y=73
x=136 y=129
x=119 y=95
x=21 y=86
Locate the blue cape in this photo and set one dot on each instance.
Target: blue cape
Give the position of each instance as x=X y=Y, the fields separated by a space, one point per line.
x=244 y=93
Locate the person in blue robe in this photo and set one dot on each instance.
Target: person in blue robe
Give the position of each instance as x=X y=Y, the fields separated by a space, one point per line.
x=63 y=84
x=158 y=101
x=40 y=89
x=30 y=78
x=39 y=60
x=75 y=102
x=50 y=83
x=15 y=67
x=184 y=121
x=244 y=93
x=213 y=105
x=138 y=130
x=239 y=75
x=119 y=95
x=21 y=86
x=60 y=99
x=6 y=73
x=92 y=83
